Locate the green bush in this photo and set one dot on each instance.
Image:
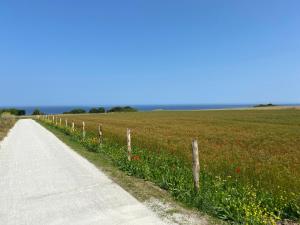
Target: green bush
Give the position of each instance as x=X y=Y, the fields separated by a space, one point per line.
x=122 y=109
x=13 y=111
x=37 y=112
x=75 y=111
x=97 y=110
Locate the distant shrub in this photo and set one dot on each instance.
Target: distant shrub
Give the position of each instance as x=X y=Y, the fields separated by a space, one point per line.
x=97 y=110
x=264 y=105
x=13 y=111
x=76 y=111
x=122 y=109
x=37 y=112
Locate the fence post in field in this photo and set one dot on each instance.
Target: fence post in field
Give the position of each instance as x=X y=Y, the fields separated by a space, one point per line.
x=196 y=165
x=59 y=121
x=129 y=144
x=53 y=119
x=83 y=129
x=56 y=120
x=100 y=133
x=66 y=122
x=73 y=127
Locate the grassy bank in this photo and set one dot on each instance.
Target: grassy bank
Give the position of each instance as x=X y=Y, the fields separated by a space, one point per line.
x=6 y=123
x=234 y=184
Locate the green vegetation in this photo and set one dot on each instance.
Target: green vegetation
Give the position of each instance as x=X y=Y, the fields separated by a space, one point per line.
x=249 y=159
x=6 y=122
x=102 y=110
x=13 y=111
x=76 y=111
x=265 y=105
x=97 y=110
x=122 y=109
x=37 y=112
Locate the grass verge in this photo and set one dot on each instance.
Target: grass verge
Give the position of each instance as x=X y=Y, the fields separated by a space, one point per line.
x=6 y=123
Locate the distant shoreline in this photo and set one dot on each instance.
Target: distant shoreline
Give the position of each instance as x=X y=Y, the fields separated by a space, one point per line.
x=158 y=108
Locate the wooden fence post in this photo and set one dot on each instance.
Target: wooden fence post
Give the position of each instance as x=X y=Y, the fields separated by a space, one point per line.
x=56 y=120
x=196 y=165
x=73 y=127
x=83 y=129
x=66 y=121
x=100 y=133
x=53 y=119
x=59 y=121
x=129 y=144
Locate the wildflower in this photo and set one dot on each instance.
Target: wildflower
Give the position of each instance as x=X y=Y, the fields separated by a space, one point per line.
x=135 y=158
x=238 y=170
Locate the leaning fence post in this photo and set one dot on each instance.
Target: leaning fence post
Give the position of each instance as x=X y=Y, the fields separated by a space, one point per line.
x=100 y=133
x=196 y=165
x=83 y=129
x=73 y=127
x=128 y=144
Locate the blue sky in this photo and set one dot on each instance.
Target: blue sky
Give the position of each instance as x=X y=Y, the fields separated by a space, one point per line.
x=68 y=52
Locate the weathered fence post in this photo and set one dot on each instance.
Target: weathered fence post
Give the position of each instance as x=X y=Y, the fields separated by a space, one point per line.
x=196 y=165
x=129 y=144
x=56 y=120
x=53 y=119
x=59 y=121
x=83 y=129
x=66 y=121
x=100 y=133
x=73 y=127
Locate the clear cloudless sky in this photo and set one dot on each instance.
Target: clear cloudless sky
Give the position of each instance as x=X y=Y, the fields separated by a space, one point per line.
x=87 y=52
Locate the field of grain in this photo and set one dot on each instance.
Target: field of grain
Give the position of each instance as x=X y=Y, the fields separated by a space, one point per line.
x=260 y=147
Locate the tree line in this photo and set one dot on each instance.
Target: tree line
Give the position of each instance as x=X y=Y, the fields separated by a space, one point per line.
x=13 y=111
x=102 y=110
x=37 y=111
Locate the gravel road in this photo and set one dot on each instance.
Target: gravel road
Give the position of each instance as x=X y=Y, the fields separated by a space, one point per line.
x=43 y=181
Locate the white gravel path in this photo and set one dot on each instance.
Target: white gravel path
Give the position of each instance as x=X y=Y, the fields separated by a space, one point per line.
x=43 y=181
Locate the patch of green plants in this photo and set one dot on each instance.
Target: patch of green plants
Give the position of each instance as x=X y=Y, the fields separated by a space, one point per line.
x=224 y=197
x=264 y=105
x=37 y=112
x=122 y=109
x=6 y=122
x=75 y=111
x=13 y=111
x=97 y=110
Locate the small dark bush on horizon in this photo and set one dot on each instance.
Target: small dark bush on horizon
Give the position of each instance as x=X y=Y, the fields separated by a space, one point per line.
x=122 y=109
x=264 y=105
x=97 y=110
x=13 y=111
x=75 y=111
x=37 y=112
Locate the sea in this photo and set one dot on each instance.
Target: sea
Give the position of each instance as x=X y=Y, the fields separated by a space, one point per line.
x=145 y=108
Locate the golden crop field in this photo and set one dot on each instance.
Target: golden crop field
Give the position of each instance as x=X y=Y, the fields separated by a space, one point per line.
x=256 y=146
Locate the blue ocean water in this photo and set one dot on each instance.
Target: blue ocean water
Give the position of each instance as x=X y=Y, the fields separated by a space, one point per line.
x=61 y=109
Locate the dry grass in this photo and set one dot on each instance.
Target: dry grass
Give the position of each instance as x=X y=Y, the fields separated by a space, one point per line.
x=5 y=124
x=260 y=147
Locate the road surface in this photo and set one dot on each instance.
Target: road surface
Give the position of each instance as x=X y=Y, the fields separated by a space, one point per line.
x=43 y=181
